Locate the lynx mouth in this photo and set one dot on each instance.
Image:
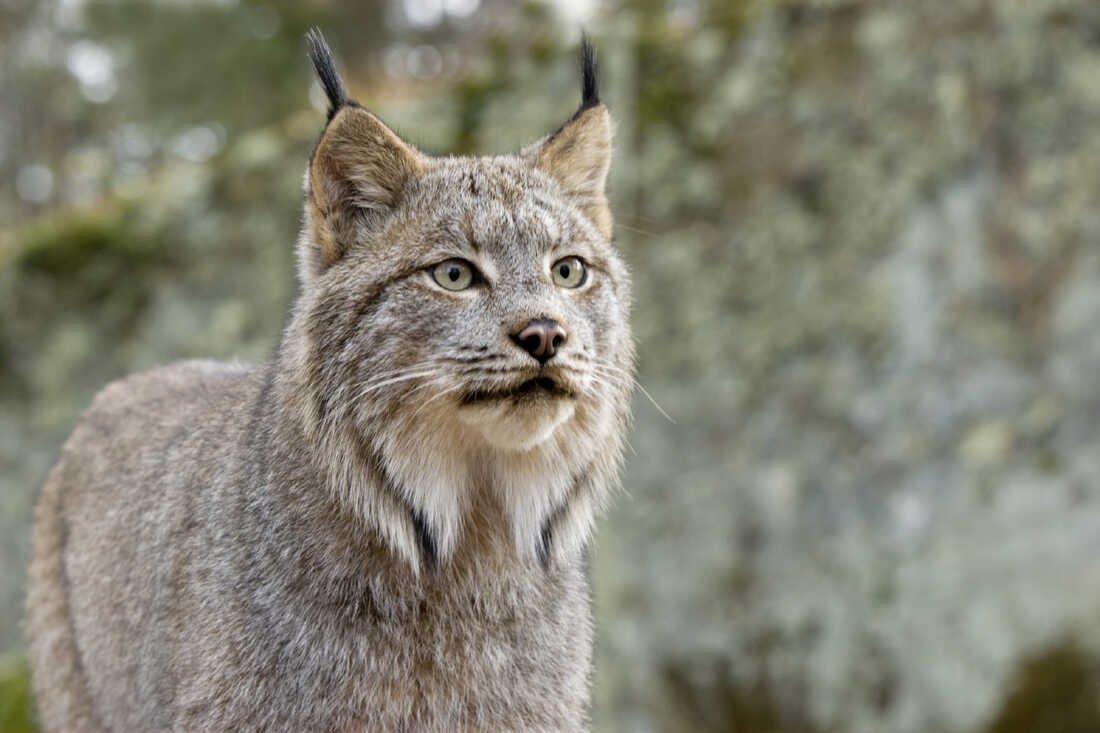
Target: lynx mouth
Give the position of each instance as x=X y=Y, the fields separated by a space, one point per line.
x=537 y=388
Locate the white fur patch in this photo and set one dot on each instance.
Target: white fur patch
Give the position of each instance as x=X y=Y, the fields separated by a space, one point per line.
x=516 y=425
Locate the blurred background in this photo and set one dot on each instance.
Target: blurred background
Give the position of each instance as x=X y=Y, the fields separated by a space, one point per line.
x=866 y=242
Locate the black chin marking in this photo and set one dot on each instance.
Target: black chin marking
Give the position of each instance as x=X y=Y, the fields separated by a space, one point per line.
x=542 y=548
x=531 y=388
x=545 y=540
x=428 y=548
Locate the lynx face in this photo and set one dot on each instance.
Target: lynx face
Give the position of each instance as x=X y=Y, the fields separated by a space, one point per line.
x=495 y=307
x=466 y=318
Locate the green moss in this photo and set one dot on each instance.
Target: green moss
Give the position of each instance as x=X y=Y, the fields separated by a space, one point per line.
x=16 y=705
x=730 y=17
x=68 y=244
x=1057 y=691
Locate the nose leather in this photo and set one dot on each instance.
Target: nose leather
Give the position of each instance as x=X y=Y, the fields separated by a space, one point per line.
x=541 y=338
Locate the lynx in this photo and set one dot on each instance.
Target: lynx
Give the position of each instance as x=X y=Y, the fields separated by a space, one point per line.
x=385 y=526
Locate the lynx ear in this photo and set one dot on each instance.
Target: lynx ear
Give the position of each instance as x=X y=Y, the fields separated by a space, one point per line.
x=356 y=176
x=358 y=169
x=578 y=155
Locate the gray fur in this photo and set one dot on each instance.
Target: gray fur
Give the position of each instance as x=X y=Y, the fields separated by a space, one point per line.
x=335 y=540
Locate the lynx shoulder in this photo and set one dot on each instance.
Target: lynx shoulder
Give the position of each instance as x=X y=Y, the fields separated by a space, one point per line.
x=385 y=526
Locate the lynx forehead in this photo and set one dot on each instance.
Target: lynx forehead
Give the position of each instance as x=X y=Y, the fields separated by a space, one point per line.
x=384 y=526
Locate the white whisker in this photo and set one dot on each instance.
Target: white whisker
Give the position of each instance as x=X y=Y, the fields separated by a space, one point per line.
x=377 y=385
x=612 y=370
x=433 y=398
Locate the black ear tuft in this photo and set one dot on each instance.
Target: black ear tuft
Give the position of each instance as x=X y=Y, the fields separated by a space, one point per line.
x=325 y=66
x=590 y=80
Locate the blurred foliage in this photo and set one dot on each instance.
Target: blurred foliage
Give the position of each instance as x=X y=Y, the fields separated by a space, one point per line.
x=703 y=698
x=16 y=713
x=864 y=245
x=1057 y=691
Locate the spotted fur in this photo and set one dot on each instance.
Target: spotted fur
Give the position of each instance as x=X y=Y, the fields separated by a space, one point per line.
x=379 y=529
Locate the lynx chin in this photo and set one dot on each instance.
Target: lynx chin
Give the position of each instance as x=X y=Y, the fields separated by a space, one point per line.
x=385 y=527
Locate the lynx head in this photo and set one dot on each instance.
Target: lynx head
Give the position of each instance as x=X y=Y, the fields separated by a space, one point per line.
x=461 y=340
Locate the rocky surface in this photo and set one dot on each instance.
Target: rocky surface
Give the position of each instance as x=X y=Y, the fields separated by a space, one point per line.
x=871 y=304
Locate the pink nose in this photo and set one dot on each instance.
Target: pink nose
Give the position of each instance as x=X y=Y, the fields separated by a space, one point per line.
x=541 y=338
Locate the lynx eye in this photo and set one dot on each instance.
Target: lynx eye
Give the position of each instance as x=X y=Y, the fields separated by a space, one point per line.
x=454 y=274
x=569 y=272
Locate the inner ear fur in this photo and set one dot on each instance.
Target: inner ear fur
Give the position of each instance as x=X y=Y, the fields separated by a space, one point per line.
x=356 y=176
x=578 y=156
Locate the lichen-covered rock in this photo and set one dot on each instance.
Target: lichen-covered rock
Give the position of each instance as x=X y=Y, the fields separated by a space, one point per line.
x=881 y=494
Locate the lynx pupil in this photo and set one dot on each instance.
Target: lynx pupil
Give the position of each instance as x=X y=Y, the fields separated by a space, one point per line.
x=453 y=274
x=569 y=272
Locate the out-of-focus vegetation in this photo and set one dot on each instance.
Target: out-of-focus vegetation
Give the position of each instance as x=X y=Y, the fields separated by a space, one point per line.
x=866 y=244
x=16 y=715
